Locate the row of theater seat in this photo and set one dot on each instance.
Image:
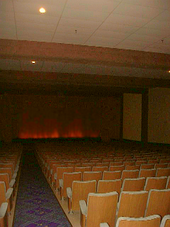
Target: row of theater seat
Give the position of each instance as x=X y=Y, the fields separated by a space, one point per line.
x=106 y=175
x=50 y=166
x=112 y=166
x=55 y=170
x=129 y=203
x=128 y=184
x=9 y=179
x=151 y=221
x=107 y=208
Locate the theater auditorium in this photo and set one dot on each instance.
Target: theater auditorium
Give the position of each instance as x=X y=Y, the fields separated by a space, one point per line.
x=85 y=113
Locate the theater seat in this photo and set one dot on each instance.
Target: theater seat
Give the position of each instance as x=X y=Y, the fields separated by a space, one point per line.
x=132 y=204
x=6 y=196
x=66 y=182
x=151 y=221
x=3 y=215
x=105 y=186
x=158 y=202
x=79 y=191
x=133 y=184
x=100 y=207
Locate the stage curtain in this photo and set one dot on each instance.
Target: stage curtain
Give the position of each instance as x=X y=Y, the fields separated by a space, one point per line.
x=50 y=116
x=56 y=117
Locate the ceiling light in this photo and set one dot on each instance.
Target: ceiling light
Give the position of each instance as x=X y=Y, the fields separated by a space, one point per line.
x=169 y=71
x=42 y=10
x=33 y=62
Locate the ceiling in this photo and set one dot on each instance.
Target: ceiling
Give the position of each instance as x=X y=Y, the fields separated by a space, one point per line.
x=132 y=25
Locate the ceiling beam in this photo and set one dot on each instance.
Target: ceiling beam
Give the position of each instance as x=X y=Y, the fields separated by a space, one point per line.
x=31 y=50
x=53 y=79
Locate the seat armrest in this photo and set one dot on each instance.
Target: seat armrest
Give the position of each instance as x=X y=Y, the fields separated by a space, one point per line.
x=61 y=183
x=16 y=169
x=83 y=207
x=9 y=193
x=104 y=225
x=69 y=192
x=11 y=184
x=3 y=209
x=14 y=176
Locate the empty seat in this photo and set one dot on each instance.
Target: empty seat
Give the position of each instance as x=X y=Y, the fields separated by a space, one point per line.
x=3 y=215
x=134 y=184
x=119 y=163
x=8 y=165
x=155 y=183
x=92 y=175
x=130 y=174
x=79 y=191
x=151 y=221
x=5 y=177
x=158 y=202
x=111 y=175
x=140 y=162
x=59 y=174
x=147 y=166
x=50 y=163
x=109 y=186
x=129 y=163
x=101 y=207
x=54 y=172
x=9 y=171
x=84 y=164
x=161 y=165
x=132 y=167
x=132 y=204
x=100 y=168
x=163 y=172
x=50 y=168
x=66 y=182
x=147 y=173
x=165 y=221
x=6 y=195
x=116 y=168
x=164 y=160
x=82 y=169
x=102 y=164
x=153 y=161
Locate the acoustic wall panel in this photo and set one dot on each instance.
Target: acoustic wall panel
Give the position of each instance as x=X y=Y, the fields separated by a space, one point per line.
x=159 y=115
x=132 y=116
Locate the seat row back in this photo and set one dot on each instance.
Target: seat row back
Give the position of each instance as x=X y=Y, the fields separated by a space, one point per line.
x=107 y=208
x=151 y=221
x=106 y=174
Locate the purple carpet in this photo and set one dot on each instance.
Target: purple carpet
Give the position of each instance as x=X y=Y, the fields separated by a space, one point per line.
x=36 y=204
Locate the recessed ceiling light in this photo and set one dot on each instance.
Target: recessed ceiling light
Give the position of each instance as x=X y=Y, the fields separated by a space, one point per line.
x=42 y=10
x=33 y=62
x=169 y=71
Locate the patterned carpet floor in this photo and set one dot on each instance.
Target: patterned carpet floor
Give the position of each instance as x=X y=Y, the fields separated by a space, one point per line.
x=36 y=204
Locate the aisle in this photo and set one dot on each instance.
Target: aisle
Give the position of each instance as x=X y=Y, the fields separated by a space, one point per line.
x=36 y=204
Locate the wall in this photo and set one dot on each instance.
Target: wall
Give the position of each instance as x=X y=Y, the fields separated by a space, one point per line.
x=132 y=115
x=159 y=115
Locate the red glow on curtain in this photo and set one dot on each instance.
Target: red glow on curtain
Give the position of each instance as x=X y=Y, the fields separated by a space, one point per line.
x=56 y=118
x=74 y=130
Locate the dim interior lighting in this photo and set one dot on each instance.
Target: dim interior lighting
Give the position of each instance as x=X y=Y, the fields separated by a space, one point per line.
x=169 y=71
x=42 y=10
x=33 y=62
